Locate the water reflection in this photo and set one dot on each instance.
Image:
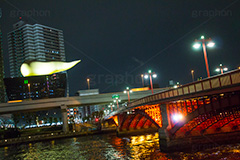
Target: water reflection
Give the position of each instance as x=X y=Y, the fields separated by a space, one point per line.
x=110 y=146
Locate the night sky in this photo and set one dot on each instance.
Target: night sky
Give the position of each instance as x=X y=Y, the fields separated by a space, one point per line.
x=119 y=40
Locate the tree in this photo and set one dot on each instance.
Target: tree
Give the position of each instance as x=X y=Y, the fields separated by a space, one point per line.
x=55 y=120
x=50 y=120
x=45 y=120
x=16 y=118
x=60 y=119
x=28 y=118
x=101 y=114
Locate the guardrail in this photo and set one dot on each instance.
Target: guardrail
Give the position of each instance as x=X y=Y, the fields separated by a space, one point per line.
x=223 y=80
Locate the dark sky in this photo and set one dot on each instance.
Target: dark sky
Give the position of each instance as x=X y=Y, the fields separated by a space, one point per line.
x=119 y=40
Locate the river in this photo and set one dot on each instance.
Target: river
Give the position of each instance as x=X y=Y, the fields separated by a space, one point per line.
x=109 y=146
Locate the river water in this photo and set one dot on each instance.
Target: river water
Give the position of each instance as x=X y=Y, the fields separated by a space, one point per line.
x=109 y=146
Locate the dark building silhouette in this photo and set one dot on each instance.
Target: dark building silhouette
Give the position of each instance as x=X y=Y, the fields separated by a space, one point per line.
x=36 y=87
x=2 y=89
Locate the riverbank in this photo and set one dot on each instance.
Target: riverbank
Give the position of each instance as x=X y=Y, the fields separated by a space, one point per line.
x=50 y=136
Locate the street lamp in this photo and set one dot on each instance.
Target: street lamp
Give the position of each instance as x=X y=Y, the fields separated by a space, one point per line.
x=111 y=105
x=203 y=42
x=116 y=101
x=142 y=76
x=151 y=75
x=88 y=82
x=221 y=68
x=192 y=72
x=127 y=90
x=29 y=92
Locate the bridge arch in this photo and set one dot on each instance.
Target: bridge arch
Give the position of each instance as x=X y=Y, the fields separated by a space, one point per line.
x=229 y=101
x=138 y=117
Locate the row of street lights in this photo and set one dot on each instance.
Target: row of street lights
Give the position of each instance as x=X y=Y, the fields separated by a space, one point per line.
x=127 y=91
x=220 y=69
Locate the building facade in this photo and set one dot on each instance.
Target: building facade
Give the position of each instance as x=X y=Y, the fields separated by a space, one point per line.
x=2 y=87
x=34 y=43
x=37 y=87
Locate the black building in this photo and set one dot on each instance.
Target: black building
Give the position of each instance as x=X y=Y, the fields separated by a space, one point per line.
x=37 y=87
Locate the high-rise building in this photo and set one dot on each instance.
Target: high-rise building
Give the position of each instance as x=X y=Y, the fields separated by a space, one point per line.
x=33 y=42
x=2 y=88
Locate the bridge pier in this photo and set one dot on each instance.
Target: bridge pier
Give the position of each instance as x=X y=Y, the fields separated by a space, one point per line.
x=164 y=138
x=119 y=125
x=64 y=118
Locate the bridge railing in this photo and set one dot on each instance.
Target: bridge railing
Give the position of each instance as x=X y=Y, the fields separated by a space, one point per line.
x=226 y=79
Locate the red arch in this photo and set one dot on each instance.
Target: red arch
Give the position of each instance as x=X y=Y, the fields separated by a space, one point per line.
x=229 y=101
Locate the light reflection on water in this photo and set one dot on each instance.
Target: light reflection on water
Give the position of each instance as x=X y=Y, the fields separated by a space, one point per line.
x=109 y=146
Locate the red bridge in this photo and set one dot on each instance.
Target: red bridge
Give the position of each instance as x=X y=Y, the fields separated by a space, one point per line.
x=203 y=111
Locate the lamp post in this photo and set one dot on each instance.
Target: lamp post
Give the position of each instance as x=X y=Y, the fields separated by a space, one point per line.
x=127 y=90
x=88 y=82
x=151 y=75
x=142 y=76
x=29 y=92
x=111 y=105
x=221 y=68
x=203 y=42
x=116 y=101
x=192 y=72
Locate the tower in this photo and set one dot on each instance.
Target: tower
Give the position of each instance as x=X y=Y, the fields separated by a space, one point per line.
x=33 y=42
x=2 y=87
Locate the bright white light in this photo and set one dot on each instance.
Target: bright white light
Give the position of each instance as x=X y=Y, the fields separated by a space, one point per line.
x=196 y=45
x=225 y=69
x=217 y=70
x=202 y=37
x=114 y=100
x=124 y=91
x=175 y=86
x=131 y=91
x=177 y=117
x=154 y=75
x=119 y=100
x=210 y=44
x=146 y=76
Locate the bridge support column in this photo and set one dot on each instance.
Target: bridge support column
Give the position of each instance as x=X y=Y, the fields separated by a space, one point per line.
x=163 y=133
x=118 y=127
x=64 y=118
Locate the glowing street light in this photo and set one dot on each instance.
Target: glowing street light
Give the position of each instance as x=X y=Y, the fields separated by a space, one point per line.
x=142 y=76
x=192 y=72
x=177 y=117
x=116 y=101
x=221 y=68
x=127 y=90
x=29 y=92
x=88 y=82
x=151 y=75
x=111 y=105
x=203 y=42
